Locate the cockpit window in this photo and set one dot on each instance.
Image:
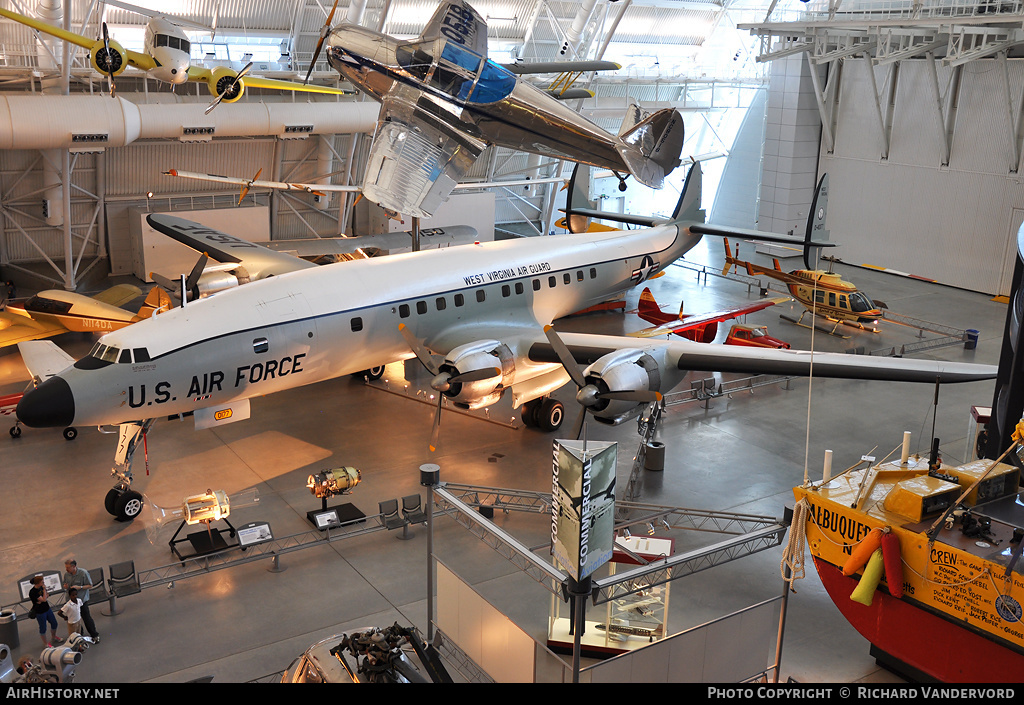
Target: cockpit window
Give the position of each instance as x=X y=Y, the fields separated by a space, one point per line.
x=166 y=40
x=125 y=356
x=44 y=305
x=495 y=84
x=859 y=303
x=416 y=59
x=456 y=70
x=108 y=353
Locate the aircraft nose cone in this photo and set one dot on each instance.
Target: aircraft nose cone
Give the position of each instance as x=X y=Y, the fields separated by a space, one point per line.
x=51 y=404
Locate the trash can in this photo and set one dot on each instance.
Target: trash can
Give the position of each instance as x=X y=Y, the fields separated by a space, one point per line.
x=654 y=456
x=9 y=629
x=970 y=339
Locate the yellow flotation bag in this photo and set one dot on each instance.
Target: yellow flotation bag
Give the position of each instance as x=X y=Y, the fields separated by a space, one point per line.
x=863 y=551
x=865 y=590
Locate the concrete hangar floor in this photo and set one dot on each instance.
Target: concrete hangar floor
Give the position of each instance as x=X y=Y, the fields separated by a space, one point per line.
x=247 y=622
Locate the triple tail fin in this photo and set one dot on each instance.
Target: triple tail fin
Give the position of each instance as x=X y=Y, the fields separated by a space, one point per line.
x=578 y=200
x=688 y=206
x=816 y=230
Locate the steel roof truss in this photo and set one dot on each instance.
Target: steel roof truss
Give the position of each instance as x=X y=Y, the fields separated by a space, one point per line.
x=788 y=43
x=898 y=43
x=830 y=47
x=970 y=43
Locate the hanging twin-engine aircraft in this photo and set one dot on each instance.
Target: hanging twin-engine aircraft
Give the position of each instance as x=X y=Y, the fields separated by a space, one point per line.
x=484 y=309
x=166 y=57
x=699 y=327
x=56 y=311
x=443 y=102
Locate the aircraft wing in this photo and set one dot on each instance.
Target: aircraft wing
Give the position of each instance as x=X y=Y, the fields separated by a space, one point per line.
x=701 y=319
x=44 y=359
x=430 y=238
x=324 y=188
x=260 y=183
x=259 y=262
x=15 y=329
x=532 y=67
x=699 y=357
x=118 y=295
x=136 y=59
x=203 y=75
x=419 y=153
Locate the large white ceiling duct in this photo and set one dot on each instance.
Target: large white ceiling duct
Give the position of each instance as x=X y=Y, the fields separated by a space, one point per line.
x=579 y=23
x=90 y=122
x=355 y=12
x=48 y=54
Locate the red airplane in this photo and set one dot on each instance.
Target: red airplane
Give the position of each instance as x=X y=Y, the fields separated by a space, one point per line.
x=699 y=327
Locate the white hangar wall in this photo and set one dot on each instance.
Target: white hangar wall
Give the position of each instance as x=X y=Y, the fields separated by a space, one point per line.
x=954 y=223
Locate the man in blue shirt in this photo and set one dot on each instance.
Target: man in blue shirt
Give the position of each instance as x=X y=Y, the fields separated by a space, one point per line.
x=80 y=578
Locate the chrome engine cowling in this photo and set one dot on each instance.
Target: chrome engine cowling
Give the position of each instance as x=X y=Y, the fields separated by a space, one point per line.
x=478 y=355
x=620 y=371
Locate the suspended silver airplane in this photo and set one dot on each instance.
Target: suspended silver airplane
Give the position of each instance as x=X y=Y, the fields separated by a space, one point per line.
x=443 y=102
x=477 y=316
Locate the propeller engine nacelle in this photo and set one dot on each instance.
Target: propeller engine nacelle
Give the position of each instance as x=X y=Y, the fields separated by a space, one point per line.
x=212 y=282
x=479 y=355
x=108 y=58
x=623 y=370
x=222 y=80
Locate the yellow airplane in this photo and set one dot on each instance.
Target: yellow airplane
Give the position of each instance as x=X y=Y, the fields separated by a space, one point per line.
x=166 y=57
x=53 y=312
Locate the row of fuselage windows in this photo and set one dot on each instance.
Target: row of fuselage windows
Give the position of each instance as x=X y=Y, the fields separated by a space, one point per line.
x=441 y=302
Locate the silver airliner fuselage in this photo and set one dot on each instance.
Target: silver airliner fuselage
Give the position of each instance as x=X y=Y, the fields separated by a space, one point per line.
x=316 y=324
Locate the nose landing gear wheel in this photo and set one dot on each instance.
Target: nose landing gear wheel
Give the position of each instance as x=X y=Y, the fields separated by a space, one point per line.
x=70 y=433
x=124 y=505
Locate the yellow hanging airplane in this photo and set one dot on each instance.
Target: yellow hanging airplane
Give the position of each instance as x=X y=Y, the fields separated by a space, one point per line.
x=166 y=57
x=55 y=311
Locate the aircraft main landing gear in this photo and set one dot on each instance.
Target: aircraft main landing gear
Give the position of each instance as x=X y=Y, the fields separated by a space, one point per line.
x=544 y=413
